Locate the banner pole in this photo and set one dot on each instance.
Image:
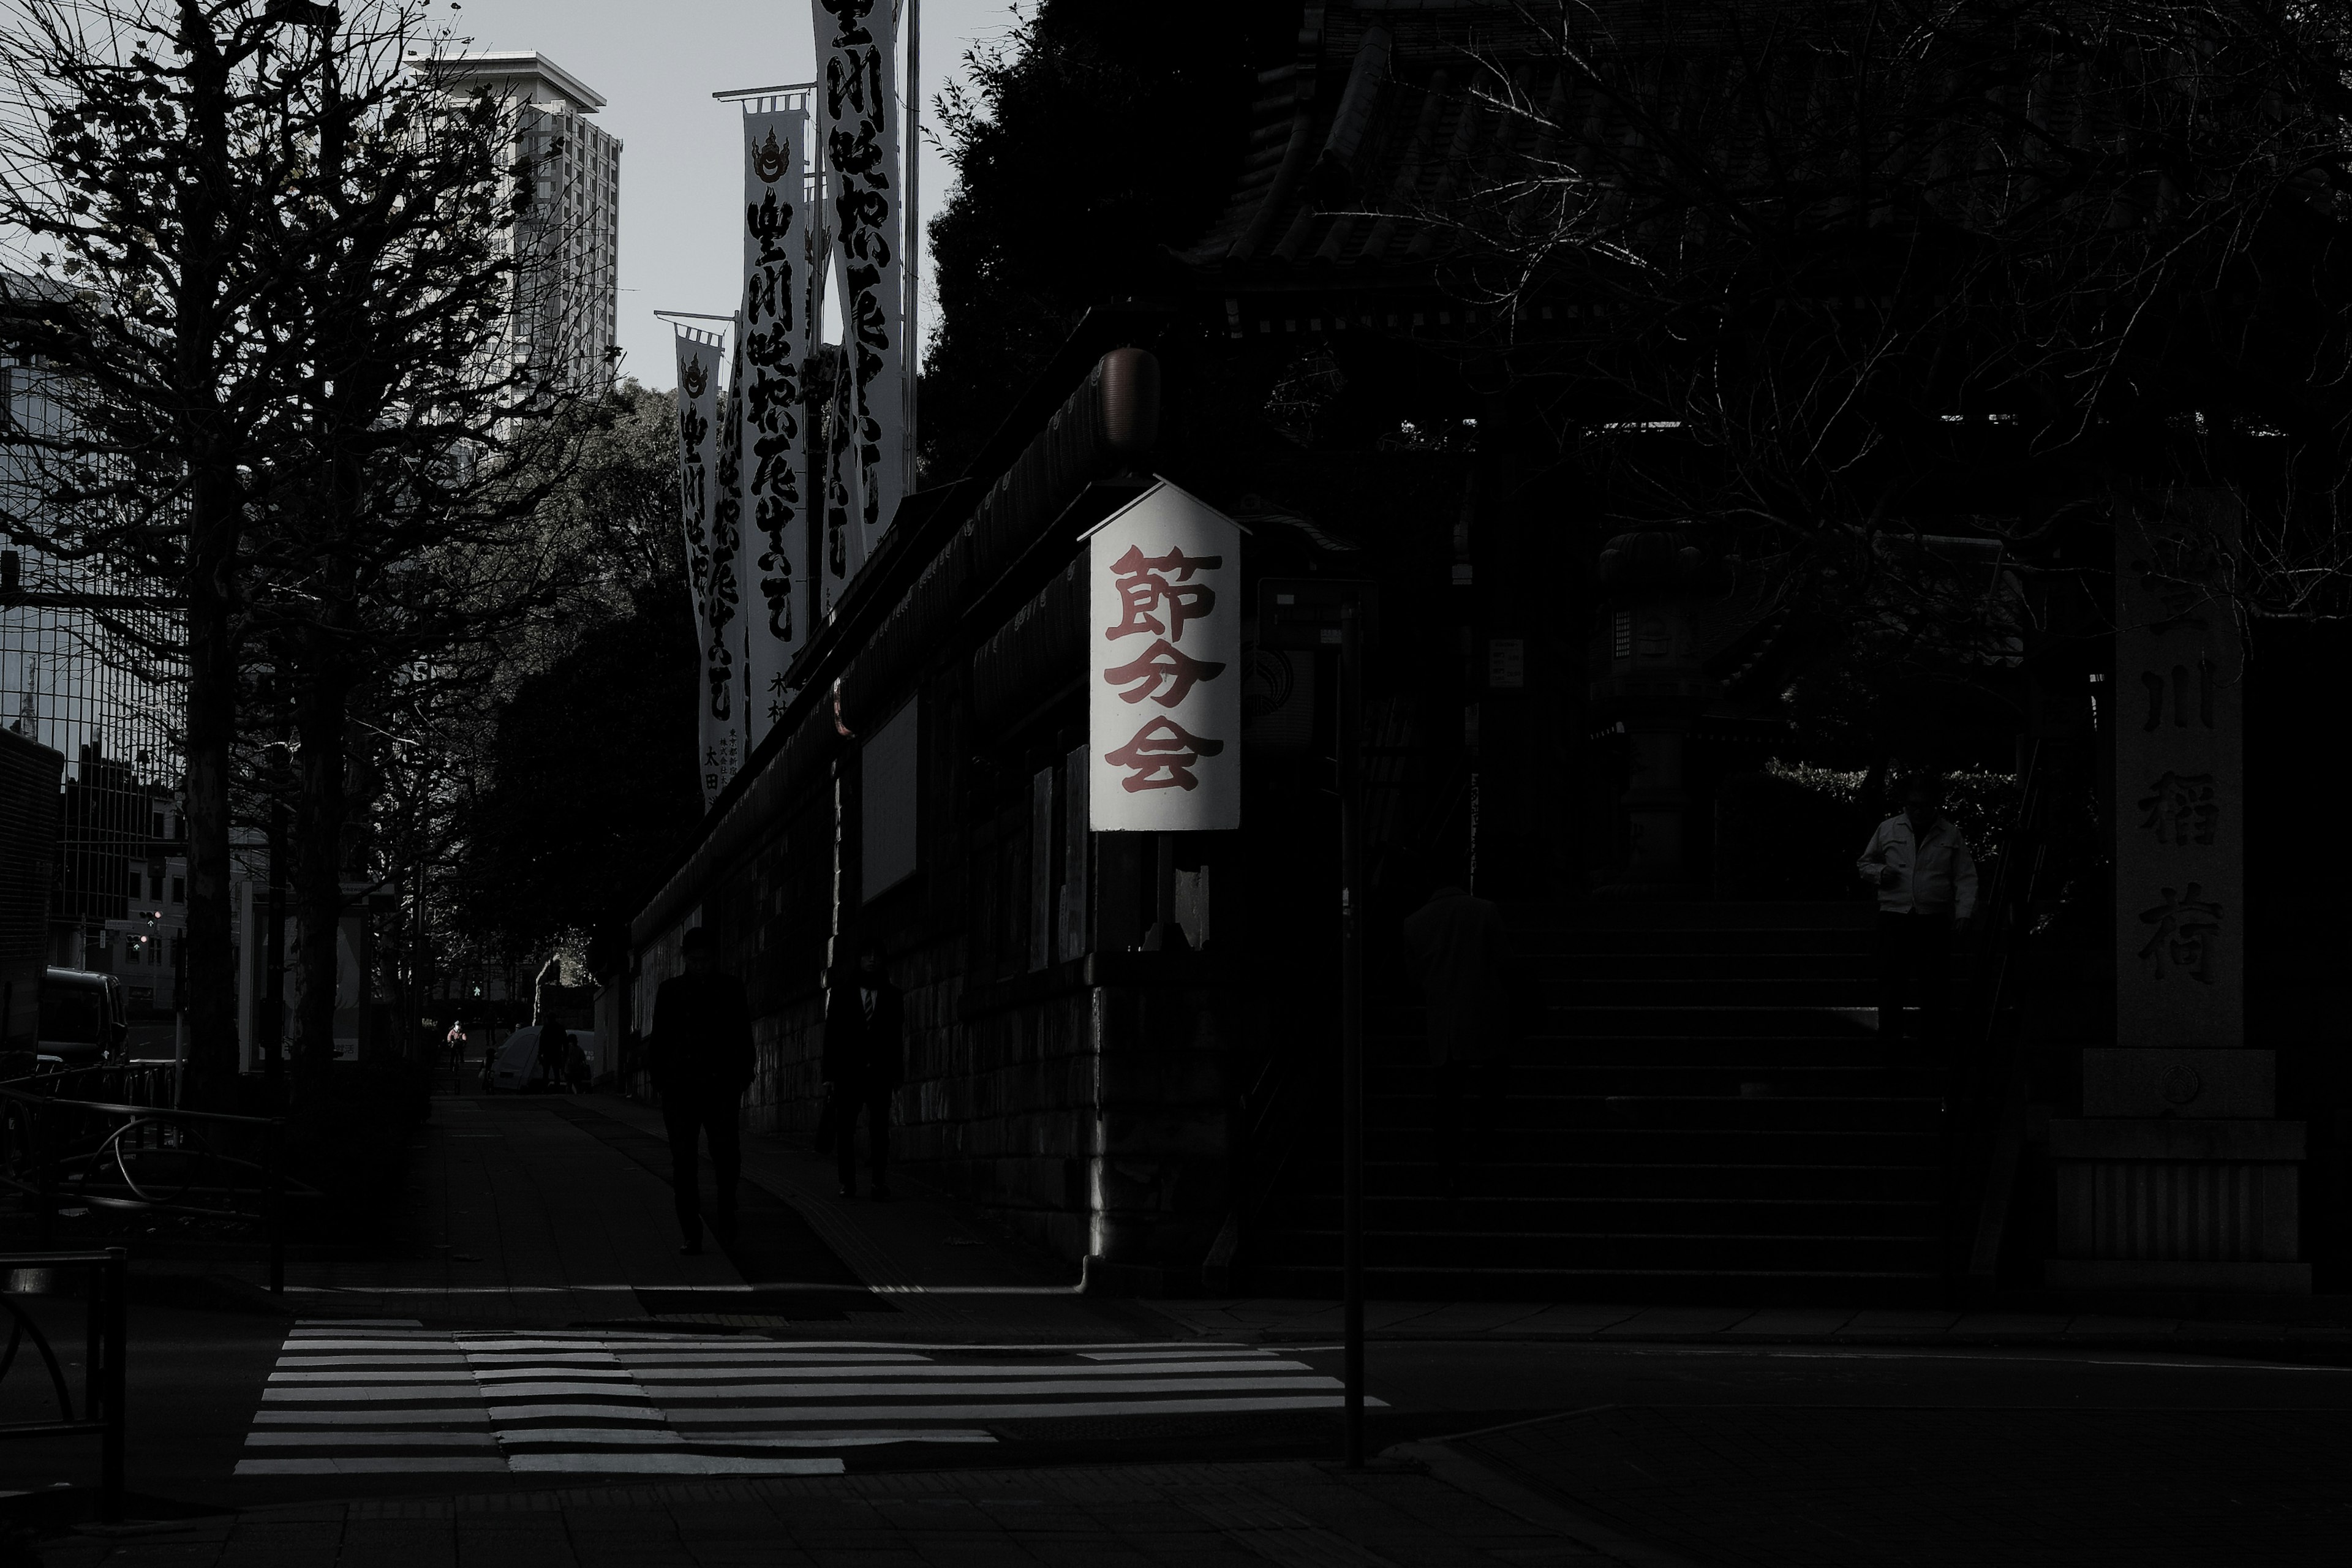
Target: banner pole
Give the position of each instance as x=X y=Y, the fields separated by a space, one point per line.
x=912 y=303
x=1351 y=1032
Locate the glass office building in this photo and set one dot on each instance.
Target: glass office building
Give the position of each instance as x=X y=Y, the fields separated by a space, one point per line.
x=93 y=678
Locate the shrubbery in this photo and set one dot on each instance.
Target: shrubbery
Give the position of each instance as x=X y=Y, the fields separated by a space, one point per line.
x=1792 y=830
x=347 y=1136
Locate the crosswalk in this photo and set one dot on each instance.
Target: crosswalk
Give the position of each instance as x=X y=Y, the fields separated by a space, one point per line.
x=388 y=1396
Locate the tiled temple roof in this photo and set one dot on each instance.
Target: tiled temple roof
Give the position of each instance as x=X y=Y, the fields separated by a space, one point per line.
x=1389 y=114
x=1369 y=125
x=1376 y=123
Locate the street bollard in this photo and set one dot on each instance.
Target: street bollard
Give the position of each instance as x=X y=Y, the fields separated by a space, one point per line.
x=43 y=1200
x=1349 y=740
x=110 y=1384
x=278 y=1205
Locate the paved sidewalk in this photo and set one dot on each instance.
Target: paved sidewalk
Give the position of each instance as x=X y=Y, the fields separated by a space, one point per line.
x=556 y=1209
x=1814 y=1487
x=1283 y=1320
x=515 y=1215
x=930 y=1266
x=1196 y=1516
x=552 y=1210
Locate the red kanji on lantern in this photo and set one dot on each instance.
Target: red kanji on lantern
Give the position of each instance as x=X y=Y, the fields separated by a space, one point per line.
x=1162 y=674
x=1163 y=755
x=1147 y=584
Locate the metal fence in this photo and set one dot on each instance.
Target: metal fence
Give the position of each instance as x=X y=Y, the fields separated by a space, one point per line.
x=101 y=1396
x=62 y=1151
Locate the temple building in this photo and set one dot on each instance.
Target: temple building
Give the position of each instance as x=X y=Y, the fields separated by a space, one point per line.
x=1606 y=684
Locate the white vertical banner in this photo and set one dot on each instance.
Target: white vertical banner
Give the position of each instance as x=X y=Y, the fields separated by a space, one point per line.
x=722 y=647
x=1163 y=667
x=857 y=95
x=698 y=444
x=843 y=549
x=776 y=339
x=828 y=515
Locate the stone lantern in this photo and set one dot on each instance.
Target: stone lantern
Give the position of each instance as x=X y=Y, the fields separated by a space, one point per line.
x=1649 y=686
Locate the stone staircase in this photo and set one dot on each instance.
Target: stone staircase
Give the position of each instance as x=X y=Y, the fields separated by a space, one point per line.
x=1705 y=1115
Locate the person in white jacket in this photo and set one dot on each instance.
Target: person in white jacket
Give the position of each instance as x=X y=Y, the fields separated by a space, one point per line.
x=1927 y=883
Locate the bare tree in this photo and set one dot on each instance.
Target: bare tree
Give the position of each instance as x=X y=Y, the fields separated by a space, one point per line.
x=284 y=259
x=427 y=429
x=1821 y=271
x=141 y=148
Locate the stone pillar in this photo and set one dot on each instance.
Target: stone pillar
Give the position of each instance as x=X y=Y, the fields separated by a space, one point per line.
x=1160 y=1175
x=2178 y=1175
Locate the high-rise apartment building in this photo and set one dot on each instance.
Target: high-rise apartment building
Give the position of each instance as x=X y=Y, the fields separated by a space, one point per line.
x=567 y=311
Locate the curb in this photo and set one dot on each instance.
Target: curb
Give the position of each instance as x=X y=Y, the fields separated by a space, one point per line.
x=2332 y=1347
x=206 y=1293
x=1440 y=1460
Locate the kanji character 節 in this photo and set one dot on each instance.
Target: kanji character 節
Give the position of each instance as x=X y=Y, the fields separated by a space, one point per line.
x=1147 y=583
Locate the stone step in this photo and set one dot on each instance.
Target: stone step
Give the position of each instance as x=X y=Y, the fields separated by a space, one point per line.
x=1702 y=1097
x=1694 y=1285
x=1593 y=1181
x=1582 y=1021
x=1627 y=1074
x=1839 y=968
x=1619 y=1143
x=1695 y=915
x=1858 y=946
x=1563 y=1113
x=1481 y=1212
x=1703 y=991
x=1733 y=1251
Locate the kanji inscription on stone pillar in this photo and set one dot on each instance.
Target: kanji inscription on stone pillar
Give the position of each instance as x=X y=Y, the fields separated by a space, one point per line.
x=2178 y=725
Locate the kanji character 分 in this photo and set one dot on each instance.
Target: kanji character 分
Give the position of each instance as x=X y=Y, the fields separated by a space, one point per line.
x=1162 y=674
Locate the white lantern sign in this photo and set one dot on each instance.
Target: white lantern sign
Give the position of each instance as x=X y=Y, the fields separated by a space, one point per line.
x=1163 y=667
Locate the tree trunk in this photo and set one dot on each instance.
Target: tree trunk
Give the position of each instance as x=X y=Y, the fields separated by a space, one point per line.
x=322 y=722
x=211 y=723
x=213 y=541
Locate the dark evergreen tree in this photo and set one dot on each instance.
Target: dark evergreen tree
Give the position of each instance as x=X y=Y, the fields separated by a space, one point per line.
x=1094 y=138
x=593 y=787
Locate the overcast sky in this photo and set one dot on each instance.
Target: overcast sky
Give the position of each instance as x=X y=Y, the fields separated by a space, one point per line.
x=681 y=165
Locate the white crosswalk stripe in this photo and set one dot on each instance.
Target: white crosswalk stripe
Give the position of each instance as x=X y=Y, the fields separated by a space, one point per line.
x=388 y=1397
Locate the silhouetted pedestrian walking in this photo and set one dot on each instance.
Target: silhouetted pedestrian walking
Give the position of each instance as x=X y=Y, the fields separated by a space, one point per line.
x=702 y=1060
x=1460 y=952
x=864 y=1057
x=1927 y=883
x=554 y=1045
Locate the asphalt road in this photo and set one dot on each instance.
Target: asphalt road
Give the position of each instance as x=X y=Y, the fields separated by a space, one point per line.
x=197 y=1379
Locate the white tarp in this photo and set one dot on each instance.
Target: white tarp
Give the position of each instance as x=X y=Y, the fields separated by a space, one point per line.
x=857 y=100
x=515 y=1066
x=775 y=339
x=1163 y=657
x=697 y=453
